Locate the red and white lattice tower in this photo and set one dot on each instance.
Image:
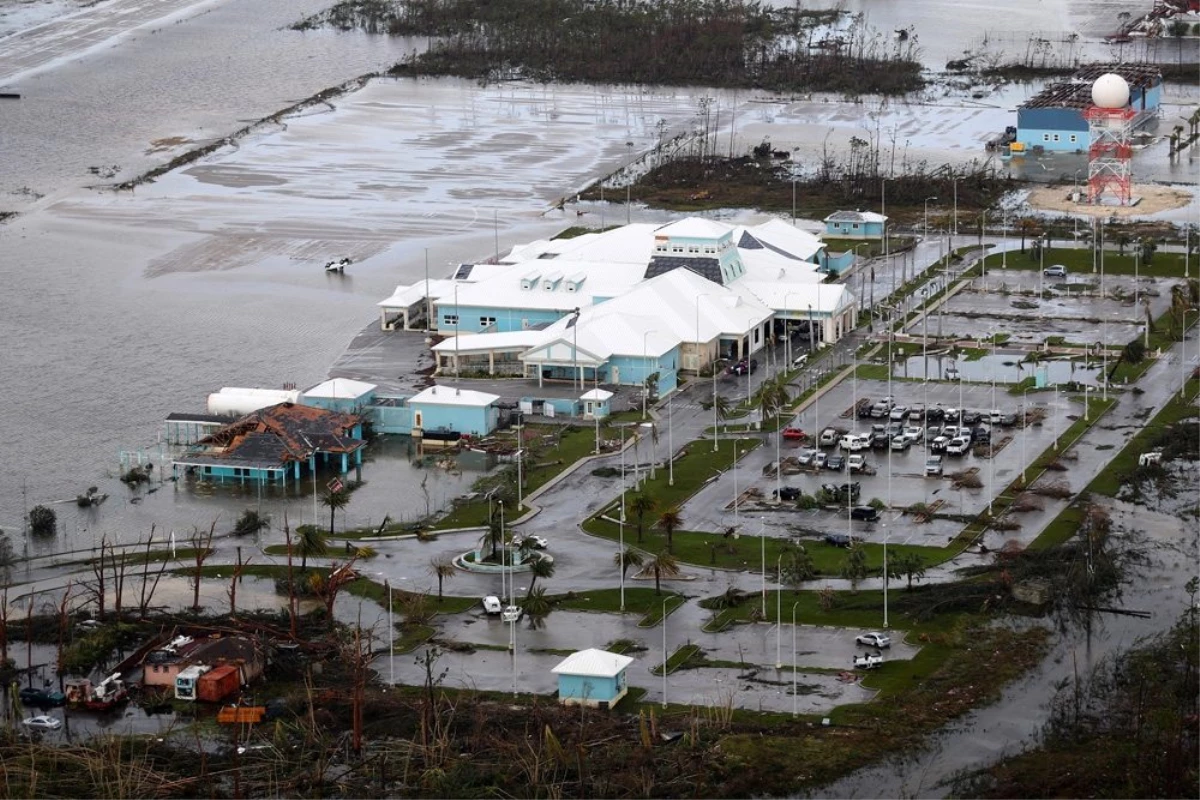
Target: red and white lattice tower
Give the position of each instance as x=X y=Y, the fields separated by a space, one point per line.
x=1110 y=128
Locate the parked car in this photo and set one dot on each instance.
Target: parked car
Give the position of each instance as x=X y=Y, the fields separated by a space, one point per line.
x=829 y=438
x=1008 y=420
x=950 y=431
x=951 y=416
x=879 y=436
x=895 y=429
x=534 y=541
x=933 y=466
x=882 y=408
x=42 y=723
x=819 y=459
x=958 y=446
x=837 y=539
x=935 y=414
x=856 y=463
x=868 y=661
x=914 y=433
x=863 y=409
x=852 y=443
x=800 y=360
x=916 y=413
x=840 y=492
x=806 y=456
x=938 y=445
x=899 y=414
x=492 y=605
x=865 y=513
x=794 y=434
x=835 y=462
x=787 y=493
x=42 y=698
x=873 y=639
x=994 y=416
x=981 y=434
x=970 y=418
x=744 y=366
x=1055 y=271
x=900 y=443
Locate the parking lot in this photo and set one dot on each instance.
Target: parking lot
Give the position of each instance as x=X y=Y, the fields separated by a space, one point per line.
x=711 y=508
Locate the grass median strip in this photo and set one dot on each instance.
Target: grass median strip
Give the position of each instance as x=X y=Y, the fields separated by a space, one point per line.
x=677 y=659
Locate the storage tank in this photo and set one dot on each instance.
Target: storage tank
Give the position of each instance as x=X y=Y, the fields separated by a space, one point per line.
x=237 y=401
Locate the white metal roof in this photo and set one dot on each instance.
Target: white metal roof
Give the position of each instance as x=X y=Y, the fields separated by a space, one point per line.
x=341 y=389
x=695 y=228
x=824 y=298
x=451 y=396
x=786 y=237
x=407 y=296
x=596 y=394
x=855 y=216
x=593 y=663
x=485 y=342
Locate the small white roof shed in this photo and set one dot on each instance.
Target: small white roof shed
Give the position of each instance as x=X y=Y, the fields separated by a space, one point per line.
x=593 y=663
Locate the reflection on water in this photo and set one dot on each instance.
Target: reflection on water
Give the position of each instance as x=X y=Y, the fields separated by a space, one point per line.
x=1001 y=367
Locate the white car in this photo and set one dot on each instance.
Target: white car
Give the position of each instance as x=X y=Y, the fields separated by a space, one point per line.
x=899 y=414
x=995 y=416
x=533 y=540
x=900 y=443
x=42 y=723
x=829 y=437
x=819 y=459
x=492 y=605
x=852 y=443
x=868 y=662
x=959 y=446
x=806 y=456
x=856 y=462
x=914 y=433
x=874 y=639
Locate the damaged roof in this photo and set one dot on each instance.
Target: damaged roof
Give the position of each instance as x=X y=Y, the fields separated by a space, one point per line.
x=282 y=433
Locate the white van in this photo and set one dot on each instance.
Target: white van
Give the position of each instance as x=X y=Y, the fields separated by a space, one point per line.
x=852 y=443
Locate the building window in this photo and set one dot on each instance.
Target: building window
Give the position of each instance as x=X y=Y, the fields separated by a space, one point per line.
x=1074 y=138
x=693 y=248
x=1056 y=137
x=676 y=248
x=855 y=226
x=450 y=319
x=1045 y=137
x=485 y=322
x=710 y=249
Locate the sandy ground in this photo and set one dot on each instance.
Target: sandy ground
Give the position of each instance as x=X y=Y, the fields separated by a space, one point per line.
x=1153 y=200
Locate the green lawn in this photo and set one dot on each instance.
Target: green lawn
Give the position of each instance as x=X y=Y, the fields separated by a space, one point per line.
x=1079 y=261
x=335 y=550
x=638 y=600
x=677 y=659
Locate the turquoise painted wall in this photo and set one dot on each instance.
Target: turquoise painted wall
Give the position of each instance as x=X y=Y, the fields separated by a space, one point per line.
x=592 y=689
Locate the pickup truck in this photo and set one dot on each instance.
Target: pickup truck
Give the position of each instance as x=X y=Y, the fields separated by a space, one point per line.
x=868 y=662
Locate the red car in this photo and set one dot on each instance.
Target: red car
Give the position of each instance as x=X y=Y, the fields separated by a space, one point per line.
x=794 y=434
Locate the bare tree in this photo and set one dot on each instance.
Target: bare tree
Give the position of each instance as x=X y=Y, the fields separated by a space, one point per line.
x=64 y=619
x=328 y=587
x=238 y=569
x=146 y=594
x=202 y=545
x=98 y=586
x=119 y=564
x=291 y=581
x=4 y=625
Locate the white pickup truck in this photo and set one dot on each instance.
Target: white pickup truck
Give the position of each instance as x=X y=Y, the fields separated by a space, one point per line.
x=868 y=662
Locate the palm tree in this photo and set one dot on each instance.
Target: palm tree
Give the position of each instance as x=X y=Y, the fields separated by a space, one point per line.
x=628 y=558
x=642 y=504
x=492 y=538
x=723 y=406
x=441 y=569
x=540 y=568
x=669 y=521
x=311 y=543
x=909 y=565
x=537 y=607
x=663 y=565
x=334 y=501
x=797 y=565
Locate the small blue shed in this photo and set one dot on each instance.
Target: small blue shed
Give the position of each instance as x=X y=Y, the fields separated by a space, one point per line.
x=855 y=224
x=446 y=408
x=596 y=403
x=592 y=677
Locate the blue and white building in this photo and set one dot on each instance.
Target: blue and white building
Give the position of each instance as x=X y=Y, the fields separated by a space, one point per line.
x=592 y=677
x=618 y=306
x=856 y=224
x=451 y=410
x=1053 y=119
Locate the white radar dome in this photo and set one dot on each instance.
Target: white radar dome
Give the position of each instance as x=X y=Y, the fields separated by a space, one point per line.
x=1110 y=91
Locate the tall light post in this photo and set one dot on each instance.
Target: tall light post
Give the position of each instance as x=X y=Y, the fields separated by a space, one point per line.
x=954 y=232
x=575 y=374
x=992 y=458
x=621 y=521
x=927 y=199
x=786 y=335
x=779 y=613
x=762 y=538
x=1024 y=432
x=733 y=469
x=794 y=685
x=628 y=184
x=714 y=369
x=1137 y=261
x=646 y=368
x=670 y=445
x=664 y=619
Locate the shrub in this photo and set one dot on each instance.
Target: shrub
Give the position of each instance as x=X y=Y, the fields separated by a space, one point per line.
x=42 y=520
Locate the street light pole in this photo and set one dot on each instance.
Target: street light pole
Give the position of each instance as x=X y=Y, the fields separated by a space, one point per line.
x=778 y=613
x=646 y=368
x=927 y=199
x=762 y=538
x=664 y=618
x=670 y=445
x=794 y=657
x=1024 y=432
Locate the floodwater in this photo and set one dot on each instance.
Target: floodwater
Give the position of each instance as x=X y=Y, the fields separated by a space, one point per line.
x=1002 y=367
